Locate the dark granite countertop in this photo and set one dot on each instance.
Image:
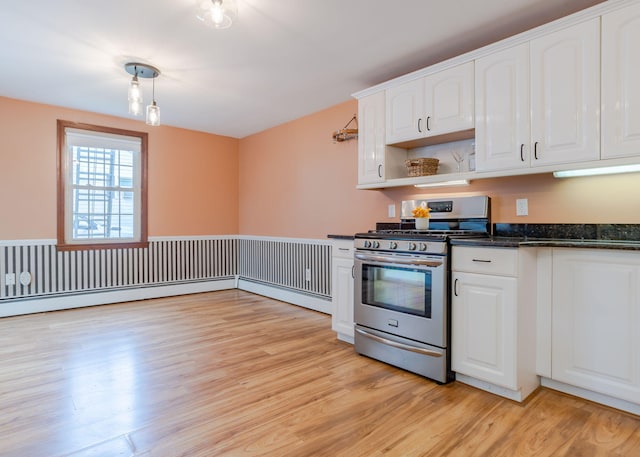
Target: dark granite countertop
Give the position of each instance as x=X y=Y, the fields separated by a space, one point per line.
x=493 y=241
x=515 y=242
x=592 y=236
x=341 y=237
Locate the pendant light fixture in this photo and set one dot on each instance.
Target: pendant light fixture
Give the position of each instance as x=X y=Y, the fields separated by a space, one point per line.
x=142 y=70
x=153 y=110
x=135 y=96
x=219 y=14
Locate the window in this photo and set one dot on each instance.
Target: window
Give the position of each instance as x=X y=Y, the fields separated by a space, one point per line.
x=102 y=187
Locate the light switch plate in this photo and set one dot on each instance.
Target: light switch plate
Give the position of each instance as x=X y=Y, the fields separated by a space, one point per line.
x=392 y=211
x=522 y=207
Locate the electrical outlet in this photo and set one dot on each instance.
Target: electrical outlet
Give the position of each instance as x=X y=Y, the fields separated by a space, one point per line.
x=10 y=279
x=307 y=274
x=522 y=207
x=392 y=211
x=25 y=278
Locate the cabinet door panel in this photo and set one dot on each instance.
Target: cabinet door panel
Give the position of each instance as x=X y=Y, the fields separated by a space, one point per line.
x=484 y=328
x=405 y=109
x=502 y=110
x=565 y=89
x=620 y=87
x=342 y=295
x=371 y=141
x=449 y=100
x=596 y=322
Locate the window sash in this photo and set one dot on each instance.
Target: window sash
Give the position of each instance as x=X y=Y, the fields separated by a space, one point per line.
x=106 y=205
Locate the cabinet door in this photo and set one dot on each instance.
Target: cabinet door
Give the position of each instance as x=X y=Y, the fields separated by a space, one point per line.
x=405 y=111
x=565 y=95
x=484 y=318
x=342 y=297
x=596 y=321
x=621 y=83
x=371 y=140
x=449 y=100
x=502 y=110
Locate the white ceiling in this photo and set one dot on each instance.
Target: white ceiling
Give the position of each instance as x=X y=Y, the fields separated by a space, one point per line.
x=281 y=60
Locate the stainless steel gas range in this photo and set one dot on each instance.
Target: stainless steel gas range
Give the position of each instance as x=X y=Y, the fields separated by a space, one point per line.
x=402 y=284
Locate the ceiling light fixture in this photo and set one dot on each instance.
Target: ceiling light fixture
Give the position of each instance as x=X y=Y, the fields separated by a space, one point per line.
x=219 y=14
x=143 y=70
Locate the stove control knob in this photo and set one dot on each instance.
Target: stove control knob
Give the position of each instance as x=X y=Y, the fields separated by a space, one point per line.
x=412 y=246
x=393 y=245
x=376 y=244
x=423 y=246
x=367 y=244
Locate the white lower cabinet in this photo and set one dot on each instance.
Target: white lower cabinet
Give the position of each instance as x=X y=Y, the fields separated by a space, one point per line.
x=342 y=289
x=493 y=309
x=595 y=321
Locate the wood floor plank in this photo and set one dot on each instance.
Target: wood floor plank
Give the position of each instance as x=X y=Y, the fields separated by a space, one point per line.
x=235 y=374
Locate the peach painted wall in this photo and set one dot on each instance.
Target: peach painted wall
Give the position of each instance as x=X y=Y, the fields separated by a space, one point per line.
x=193 y=176
x=598 y=200
x=288 y=181
x=295 y=182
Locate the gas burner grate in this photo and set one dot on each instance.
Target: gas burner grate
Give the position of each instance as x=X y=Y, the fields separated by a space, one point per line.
x=429 y=232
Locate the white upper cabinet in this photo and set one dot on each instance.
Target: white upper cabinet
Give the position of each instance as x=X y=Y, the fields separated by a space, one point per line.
x=621 y=83
x=449 y=100
x=565 y=95
x=436 y=104
x=371 y=140
x=405 y=111
x=503 y=122
x=537 y=103
x=376 y=161
x=561 y=96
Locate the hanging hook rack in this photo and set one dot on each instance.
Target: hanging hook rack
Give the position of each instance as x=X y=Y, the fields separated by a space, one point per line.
x=346 y=133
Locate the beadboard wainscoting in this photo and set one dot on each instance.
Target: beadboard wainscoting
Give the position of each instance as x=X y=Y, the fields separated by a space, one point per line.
x=289 y=269
x=292 y=270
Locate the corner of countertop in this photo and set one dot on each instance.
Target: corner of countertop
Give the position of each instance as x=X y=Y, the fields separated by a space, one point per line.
x=341 y=237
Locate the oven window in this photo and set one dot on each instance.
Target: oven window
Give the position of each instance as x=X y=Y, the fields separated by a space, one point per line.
x=400 y=289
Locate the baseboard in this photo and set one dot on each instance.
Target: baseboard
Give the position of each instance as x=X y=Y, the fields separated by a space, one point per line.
x=515 y=395
x=42 y=304
x=289 y=296
x=78 y=300
x=595 y=397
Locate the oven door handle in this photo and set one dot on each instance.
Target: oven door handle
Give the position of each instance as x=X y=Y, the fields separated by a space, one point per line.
x=398 y=345
x=399 y=260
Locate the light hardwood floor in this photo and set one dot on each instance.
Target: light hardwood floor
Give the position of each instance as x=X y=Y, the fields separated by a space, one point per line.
x=232 y=373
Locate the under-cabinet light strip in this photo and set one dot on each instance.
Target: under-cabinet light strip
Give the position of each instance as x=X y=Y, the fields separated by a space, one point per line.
x=597 y=171
x=458 y=182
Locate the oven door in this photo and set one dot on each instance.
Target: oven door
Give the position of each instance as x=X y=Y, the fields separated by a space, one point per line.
x=402 y=294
